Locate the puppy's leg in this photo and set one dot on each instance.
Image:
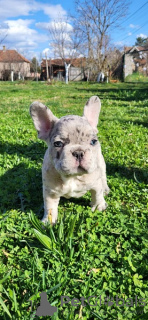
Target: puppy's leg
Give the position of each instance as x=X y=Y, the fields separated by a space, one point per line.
x=50 y=208
x=106 y=189
x=98 y=201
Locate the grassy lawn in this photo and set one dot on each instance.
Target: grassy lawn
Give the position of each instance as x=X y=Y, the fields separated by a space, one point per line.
x=101 y=254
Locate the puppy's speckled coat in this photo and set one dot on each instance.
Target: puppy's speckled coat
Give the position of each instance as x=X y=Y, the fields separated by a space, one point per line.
x=73 y=162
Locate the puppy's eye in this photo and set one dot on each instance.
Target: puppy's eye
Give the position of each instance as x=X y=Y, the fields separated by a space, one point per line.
x=58 y=144
x=93 y=142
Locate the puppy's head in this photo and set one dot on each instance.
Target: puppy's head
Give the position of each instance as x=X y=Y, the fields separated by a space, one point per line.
x=73 y=145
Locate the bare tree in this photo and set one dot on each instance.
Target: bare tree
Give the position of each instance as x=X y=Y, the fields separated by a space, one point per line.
x=3 y=32
x=63 y=42
x=94 y=23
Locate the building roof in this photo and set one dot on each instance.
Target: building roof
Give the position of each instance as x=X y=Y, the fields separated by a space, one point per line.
x=11 y=56
x=77 y=62
x=135 y=48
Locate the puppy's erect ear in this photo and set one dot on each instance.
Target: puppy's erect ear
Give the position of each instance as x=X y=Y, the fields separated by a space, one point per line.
x=43 y=119
x=92 y=111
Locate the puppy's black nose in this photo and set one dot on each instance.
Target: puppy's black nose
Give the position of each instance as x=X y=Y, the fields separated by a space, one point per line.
x=78 y=154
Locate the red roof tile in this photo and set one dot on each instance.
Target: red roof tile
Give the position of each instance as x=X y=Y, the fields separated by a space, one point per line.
x=77 y=62
x=11 y=56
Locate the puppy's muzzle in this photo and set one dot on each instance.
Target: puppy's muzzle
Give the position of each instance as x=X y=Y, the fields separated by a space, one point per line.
x=78 y=154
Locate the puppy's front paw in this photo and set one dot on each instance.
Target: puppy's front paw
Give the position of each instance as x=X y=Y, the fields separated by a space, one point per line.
x=45 y=220
x=101 y=206
x=49 y=218
x=106 y=191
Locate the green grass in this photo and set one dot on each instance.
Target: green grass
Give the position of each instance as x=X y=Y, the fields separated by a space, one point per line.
x=85 y=254
x=136 y=77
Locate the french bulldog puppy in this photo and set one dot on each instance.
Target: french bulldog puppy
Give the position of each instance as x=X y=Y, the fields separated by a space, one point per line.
x=73 y=162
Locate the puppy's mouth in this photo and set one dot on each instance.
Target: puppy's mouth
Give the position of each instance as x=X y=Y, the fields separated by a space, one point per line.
x=80 y=165
x=80 y=168
x=74 y=171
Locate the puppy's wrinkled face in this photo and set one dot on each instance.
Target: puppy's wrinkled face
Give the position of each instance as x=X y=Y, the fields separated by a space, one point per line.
x=73 y=146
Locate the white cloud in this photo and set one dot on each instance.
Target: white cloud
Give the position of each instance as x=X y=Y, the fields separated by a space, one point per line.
x=46 y=51
x=21 y=35
x=130 y=33
x=55 y=25
x=133 y=26
x=141 y=35
x=3 y=26
x=15 y=8
x=20 y=28
x=53 y=11
x=61 y=25
x=119 y=43
x=43 y=25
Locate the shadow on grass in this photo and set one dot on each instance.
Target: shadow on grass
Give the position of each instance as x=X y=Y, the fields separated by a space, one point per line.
x=21 y=187
x=131 y=173
x=135 y=122
x=126 y=122
x=130 y=92
x=141 y=123
x=33 y=151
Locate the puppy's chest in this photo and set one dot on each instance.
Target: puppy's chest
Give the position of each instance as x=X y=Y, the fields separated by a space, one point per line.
x=73 y=187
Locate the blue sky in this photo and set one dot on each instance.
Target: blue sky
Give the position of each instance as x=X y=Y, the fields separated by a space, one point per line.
x=26 y=24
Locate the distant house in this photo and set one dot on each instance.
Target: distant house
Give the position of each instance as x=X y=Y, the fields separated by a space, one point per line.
x=55 y=69
x=135 y=60
x=13 y=65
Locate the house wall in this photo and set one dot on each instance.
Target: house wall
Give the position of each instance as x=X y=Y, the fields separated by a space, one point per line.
x=76 y=74
x=136 y=62
x=22 y=67
x=129 y=65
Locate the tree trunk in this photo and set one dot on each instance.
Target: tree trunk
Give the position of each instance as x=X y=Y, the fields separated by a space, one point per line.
x=67 y=66
x=12 y=75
